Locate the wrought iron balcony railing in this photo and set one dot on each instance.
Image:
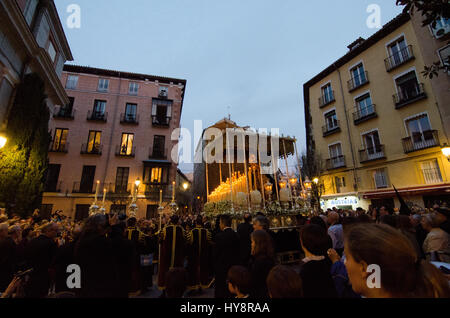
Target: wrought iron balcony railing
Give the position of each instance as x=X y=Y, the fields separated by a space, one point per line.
x=59 y=147
x=363 y=114
x=336 y=162
x=372 y=153
x=329 y=130
x=157 y=153
x=97 y=116
x=160 y=120
x=324 y=100
x=410 y=95
x=421 y=140
x=53 y=187
x=64 y=113
x=124 y=151
x=85 y=187
x=399 y=58
x=358 y=81
x=129 y=119
x=95 y=149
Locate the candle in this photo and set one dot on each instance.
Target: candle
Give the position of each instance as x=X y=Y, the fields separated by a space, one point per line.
x=104 y=196
x=173 y=190
x=96 y=190
x=160 y=197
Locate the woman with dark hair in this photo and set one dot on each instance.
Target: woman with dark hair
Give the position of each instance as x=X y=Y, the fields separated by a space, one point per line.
x=317 y=220
x=238 y=279
x=284 y=282
x=315 y=271
x=261 y=263
x=403 y=273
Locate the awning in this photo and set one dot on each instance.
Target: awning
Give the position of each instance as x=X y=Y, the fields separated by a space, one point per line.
x=419 y=190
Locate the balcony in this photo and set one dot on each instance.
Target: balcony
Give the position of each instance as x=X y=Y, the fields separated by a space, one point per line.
x=401 y=57
x=335 y=163
x=152 y=191
x=157 y=153
x=85 y=187
x=53 y=187
x=421 y=140
x=58 y=147
x=124 y=151
x=97 y=116
x=358 y=82
x=95 y=149
x=119 y=188
x=329 y=130
x=410 y=95
x=362 y=114
x=131 y=119
x=372 y=153
x=163 y=121
x=325 y=100
x=64 y=113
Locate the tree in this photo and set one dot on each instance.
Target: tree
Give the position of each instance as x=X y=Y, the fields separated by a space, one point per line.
x=311 y=168
x=23 y=161
x=431 y=10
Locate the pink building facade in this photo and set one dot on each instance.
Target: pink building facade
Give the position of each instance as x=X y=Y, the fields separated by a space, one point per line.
x=116 y=129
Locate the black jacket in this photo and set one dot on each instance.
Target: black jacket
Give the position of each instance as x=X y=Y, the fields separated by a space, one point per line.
x=316 y=279
x=259 y=268
x=244 y=231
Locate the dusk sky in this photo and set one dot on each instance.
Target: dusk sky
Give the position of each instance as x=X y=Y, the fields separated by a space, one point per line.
x=248 y=57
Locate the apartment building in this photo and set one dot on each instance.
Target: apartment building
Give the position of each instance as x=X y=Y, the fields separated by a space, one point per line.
x=115 y=130
x=31 y=40
x=377 y=123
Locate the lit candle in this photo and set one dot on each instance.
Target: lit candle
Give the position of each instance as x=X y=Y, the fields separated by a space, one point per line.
x=96 y=190
x=104 y=196
x=173 y=190
x=160 y=197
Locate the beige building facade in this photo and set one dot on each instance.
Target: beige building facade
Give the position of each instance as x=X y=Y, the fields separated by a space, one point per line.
x=376 y=122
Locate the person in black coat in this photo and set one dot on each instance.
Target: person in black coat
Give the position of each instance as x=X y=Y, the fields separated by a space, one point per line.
x=315 y=270
x=261 y=262
x=226 y=254
x=244 y=230
x=7 y=257
x=95 y=255
x=40 y=255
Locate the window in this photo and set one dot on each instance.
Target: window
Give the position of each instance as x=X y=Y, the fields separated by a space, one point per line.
x=103 y=84
x=81 y=212
x=45 y=211
x=380 y=178
x=118 y=209
x=327 y=94
x=152 y=211
x=122 y=179
x=358 y=75
x=161 y=112
x=442 y=27
x=133 y=88
x=408 y=87
x=130 y=112
x=94 y=141
x=399 y=52
x=51 y=50
x=335 y=150
x=336 y=160
x=126 y=146
x=155 y=174
x=431 y=172
x=158 y=146
x=87 y=179
x=72 y=81
x=51 y=182
x=340 y=183
x=331 y=120
x=99 y=108
x=444 y=55
x=60 y=139
x=163 y=91
x=372 y=142
x=419 y=128
x=364 y=105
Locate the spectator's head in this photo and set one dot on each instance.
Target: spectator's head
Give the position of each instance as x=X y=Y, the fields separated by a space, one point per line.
x=176 y=282
x=314 y=240
x=284 y=282
x=50 y=230
x=402 y=272
x=261 y=244
x=4 y=230
x=333 y=218
x=389 y=220
x=96 y=224
x=247 y=218
x=403 y=222
x=131 y=222
x=261 y=223
x=443 y=214
x=415 y=219
x=364 y=218
x=225 y=221
x=318 y=221
x=384 y=211
x=239 y=282
x=430 y=221
x=199 y=221
x=174 y=219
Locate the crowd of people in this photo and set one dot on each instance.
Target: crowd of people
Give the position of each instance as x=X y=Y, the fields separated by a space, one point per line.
x=121 y=256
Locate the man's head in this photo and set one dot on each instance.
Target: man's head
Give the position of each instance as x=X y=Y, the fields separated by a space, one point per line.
x=131 y=222
x=333 y=218
x=383 y=211
x=50 y=230
x=247 y=218
x=261 y=223
x=238 y=279
x=225 y=221
x=442 y=214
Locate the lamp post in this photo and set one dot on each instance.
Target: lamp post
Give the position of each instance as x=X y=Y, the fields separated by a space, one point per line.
x=3 y=139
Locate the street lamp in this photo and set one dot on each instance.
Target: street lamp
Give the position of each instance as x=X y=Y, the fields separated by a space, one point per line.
x=316 y=180
x=185 y=186
x=307 y=184
x=137 y=182
x=445 y=150
x=3 y=140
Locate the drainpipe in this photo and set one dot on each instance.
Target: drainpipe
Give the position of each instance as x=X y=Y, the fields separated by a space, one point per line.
x=355 y=178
